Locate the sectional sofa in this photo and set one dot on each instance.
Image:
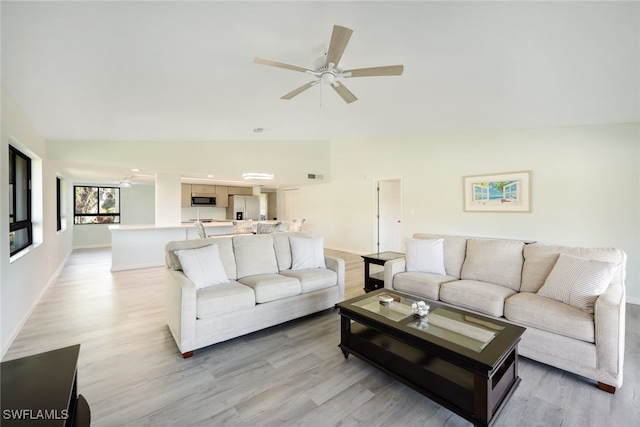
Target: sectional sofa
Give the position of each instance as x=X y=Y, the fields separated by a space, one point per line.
x=220 y=288
x=570 y=299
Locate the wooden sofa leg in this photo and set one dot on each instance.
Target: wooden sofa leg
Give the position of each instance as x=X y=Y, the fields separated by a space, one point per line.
x=606 y=387
x=188 y=354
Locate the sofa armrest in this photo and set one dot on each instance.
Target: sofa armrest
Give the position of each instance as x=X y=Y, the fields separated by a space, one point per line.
x=337 y=265
x=180 y=308
x=609 y=316
x=391 y=268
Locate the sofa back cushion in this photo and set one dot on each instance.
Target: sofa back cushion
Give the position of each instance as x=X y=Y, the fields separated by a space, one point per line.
x=455 y=248
x=225 y=248
x=494 y=261
x=282 y=247
x=540 y=258
x=254 y=254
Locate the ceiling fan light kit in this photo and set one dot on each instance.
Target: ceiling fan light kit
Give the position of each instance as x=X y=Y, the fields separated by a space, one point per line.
x=329 y=73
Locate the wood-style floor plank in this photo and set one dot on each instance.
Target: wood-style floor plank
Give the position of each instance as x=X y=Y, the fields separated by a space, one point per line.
x=132 y=373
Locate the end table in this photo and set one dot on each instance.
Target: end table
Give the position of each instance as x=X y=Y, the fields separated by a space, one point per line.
x=376 y=280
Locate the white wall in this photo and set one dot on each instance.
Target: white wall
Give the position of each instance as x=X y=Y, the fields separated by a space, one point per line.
x=24 y=280
x=585 y=188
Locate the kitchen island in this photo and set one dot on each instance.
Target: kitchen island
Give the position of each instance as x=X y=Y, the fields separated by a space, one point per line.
x=142 y=246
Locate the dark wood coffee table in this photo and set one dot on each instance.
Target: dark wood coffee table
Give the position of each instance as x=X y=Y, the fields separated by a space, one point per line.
x=466 y=362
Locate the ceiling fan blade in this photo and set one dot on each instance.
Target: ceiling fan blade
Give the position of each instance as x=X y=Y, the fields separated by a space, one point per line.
x=339 y=39
x=344 y=92
x=299 y=90
x=280 y=65
x=389 y=70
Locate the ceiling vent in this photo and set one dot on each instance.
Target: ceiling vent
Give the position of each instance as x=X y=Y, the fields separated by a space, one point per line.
x=314 y=176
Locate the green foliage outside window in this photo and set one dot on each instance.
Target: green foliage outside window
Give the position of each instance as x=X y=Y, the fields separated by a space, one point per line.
x=96 y=205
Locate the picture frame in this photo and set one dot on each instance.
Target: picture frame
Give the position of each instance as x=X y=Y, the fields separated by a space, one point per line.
x=501 y=192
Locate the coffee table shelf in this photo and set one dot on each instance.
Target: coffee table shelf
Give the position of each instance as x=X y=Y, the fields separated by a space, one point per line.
x=473 y=384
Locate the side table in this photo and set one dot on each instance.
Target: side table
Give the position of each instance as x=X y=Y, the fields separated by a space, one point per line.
x=376 y=280
x=42 y=390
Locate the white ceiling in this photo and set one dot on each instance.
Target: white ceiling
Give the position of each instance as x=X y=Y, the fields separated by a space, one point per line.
x=156 y=70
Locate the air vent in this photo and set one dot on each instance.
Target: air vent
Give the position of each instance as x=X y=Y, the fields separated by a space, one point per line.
x=314 y=176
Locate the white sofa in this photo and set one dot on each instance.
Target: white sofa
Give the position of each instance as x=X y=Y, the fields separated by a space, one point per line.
x=263 y=289
x=502 y=278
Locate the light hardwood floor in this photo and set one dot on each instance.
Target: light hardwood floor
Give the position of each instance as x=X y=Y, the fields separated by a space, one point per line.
x=132 y=374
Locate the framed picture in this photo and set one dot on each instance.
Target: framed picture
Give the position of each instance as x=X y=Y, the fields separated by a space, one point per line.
x=504 y=192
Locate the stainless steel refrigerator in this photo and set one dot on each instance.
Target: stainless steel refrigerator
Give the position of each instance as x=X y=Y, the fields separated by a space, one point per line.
x=244 y=207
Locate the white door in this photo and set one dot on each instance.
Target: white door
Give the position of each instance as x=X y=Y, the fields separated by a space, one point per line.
x=290 y=204
x=389 y=215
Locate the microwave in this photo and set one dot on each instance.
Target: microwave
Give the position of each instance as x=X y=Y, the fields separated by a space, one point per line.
x=202 y=200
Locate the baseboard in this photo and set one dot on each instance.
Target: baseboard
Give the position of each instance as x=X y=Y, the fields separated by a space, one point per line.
x=633 y=300
x=137 y=266
x=92 y=246
x=29 y=312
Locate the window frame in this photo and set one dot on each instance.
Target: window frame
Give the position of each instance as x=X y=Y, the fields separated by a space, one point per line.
x=58 y=203
x=26 y=224
x=117 y=215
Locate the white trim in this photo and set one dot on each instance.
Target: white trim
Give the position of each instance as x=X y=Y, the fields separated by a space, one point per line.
x=92 y=246
x=137 y=266
x=633 y=300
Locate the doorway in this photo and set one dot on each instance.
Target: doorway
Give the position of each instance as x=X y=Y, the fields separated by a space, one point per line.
x=389 y=215
x=290 y=204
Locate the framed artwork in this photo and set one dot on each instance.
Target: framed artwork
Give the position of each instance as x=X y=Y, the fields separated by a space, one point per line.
x=503 y=192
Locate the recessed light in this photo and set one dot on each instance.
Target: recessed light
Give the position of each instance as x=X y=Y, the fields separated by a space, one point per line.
x=135 y=170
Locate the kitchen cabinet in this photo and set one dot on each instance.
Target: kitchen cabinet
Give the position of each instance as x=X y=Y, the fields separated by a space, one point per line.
x=222 y=196
x=240 y=191
x=185 y=195
x=199 y=188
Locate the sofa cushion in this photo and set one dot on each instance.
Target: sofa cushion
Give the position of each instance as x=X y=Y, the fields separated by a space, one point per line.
x=254 y=254
x=529 y=309
x=271 y=287
x=540 y=258
x=494 y=261
x=578 y=281
x=282 y=247
x=223 y=298
x=425 y=255
x=313 y=279
x=423 y=284
x=203 y=266
x=475 y=295
x=455 y=248
x=307 y=252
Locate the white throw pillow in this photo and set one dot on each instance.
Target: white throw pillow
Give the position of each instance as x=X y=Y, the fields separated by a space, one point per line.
x=203 y=266
x=425 y=256
x=307 y=252
x=578 y=281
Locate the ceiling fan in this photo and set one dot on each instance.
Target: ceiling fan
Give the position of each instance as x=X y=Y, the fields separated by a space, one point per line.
x=330 y=71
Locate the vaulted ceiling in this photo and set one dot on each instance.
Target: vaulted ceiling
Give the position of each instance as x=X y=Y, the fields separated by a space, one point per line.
x=156 y=70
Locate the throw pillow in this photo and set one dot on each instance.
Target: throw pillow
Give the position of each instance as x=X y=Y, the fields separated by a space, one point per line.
x=203 y=266
x=243 y=226
x=307 y=252
x=268 y=228
x=578 y=281
x=295 y=225
x=425 y=255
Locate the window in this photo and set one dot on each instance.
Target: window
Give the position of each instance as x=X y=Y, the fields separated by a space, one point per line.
x=58 y=204
x=96 y=205
x=20 y=225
